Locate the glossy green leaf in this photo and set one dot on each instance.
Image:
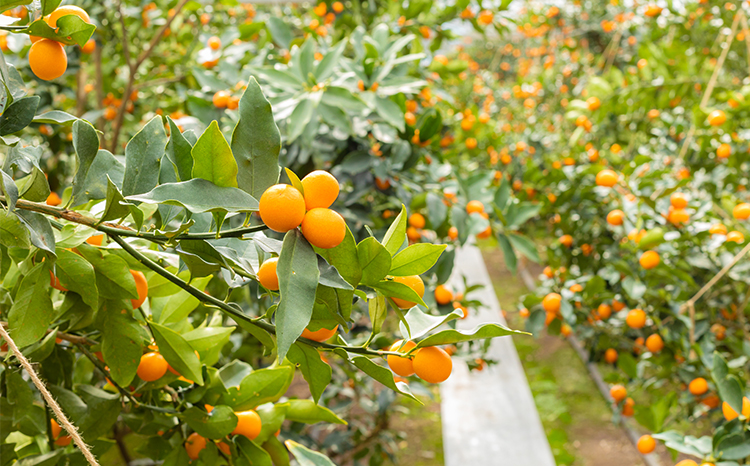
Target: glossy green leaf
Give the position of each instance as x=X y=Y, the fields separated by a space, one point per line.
x=390 y=112
x=217 y=424
x=32 y=311
x=378 y=311
x=113 y=277
x=344 y=258
x=178 y=352
x=394 y=289
x=9 y=190
x=416 y=259
x=298 y=274
x=55 y=117
x=143 y=156
x=104 y=168
x=252 y=452
x=86 y=146
x=382 y=375
x=280 y=31
x=34 y=187
x=449 y=337
x=396 y=235
x=199 y=195
x=77 y=274
x=374 y=259
x=525 y=246
x=179 y=152
x=40 y=230
x=316 y=372
x=102 y=410
x=121 y=344
x=212 y=158
x=71 y=30
x=309 y=412
x=420 y=323
x=307 y=457
x=12 y=231
x=18 y=115
x=299 y=119
x=261 y=386
x=733 y=447
x=256 y=142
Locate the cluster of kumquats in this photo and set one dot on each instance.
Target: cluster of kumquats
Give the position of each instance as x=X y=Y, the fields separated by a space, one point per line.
x=47 y=58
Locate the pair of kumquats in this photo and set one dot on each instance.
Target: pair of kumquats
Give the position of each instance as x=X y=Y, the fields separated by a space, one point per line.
x=47 y=58
x=431 y=364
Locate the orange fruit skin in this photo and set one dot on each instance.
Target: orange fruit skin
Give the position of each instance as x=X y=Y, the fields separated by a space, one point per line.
x=717 y=118
x=604 y=311
x=606 y=178
x=678 y=216
x=214 y=43
x=649 y=259
x=224 y=447
x=610 y=356
x=415 y=283
x=678 y=200
x=724 y=151
x=646 y=444
x=324 y=228
x=95 y=240
x=152 y=367
x=576 y=288
x=282 y=208
x=248 y=424
x=551 y=302
x=401 y=366
x=698 y=386
x=486 y=233
x=735 y=236
x=654 y=343
x=142 y=286
x=636 y=319
x=618 y=393
x=730 y=414
x=267 y=274
x=63 y=441
x=566 y=240
x=443 y=295
x=417 y=220
x=89 y=46
x=718 y=229
x=474 y=206
x=48 y=59
x=413 y=234
x=615 y=217
x=453 y=233
x=432 y=364
x=64 y=11
x=194 y=444
x=548 y=272
x=321 y=189
x=319 y=335
x=221 y=99
x=741 y=211
x=53 y=199
x=55 y=427
x=54 y=282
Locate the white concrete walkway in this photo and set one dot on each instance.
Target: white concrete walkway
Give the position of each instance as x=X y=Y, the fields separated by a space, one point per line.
x=489 y=417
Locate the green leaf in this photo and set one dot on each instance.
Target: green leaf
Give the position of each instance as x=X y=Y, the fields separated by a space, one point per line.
x=309 y=412
x=733 y=447
x=508 y=254
x=378 y=312
x=261 y=386
x=330 y=277
x=102 y=410
x=256 y=142
x=35 y=186
x=518 y=214
x=208 y=341
x=12 y=232
x=86 y=146
x=396 y=235
x=382 y=375
x=420 y=323
x=143 y=158
x=116 y=207
x=217 y=424
x=299 y=119
x=252 y=453
x=178 y=352
x=307 y=457
x=77 y=274
x=627 y=363
x=212 y=158
x=104 y=167
x=449 y=337
x=390 y=112
x=394 y=289
x=277 y=451
x=18 y=115
x=280 y=31
x=416 y=259
x=330 y=61
x=344 y=258
x=179 y=152
x=525 y=246
x=232 y=374
x=40 y=230
x=199 y=195
x=182 y=303
x=314 y=370
x=374 y=259
x=9 y=190
x=650 y=240
x=121 y=344
x=113 y=277
x=55 y=117
x=634 y=287
x=71 y=30
x=272 y=417
x=32 y=311
x=298 y=281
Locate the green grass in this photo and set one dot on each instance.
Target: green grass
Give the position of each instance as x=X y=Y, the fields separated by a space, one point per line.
x=423 y=445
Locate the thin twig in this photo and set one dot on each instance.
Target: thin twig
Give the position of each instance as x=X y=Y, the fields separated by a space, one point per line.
x=124 y=31
x=716 y=278
x=59 y=414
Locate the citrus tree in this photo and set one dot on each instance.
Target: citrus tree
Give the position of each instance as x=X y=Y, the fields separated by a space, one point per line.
x=173 y=287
